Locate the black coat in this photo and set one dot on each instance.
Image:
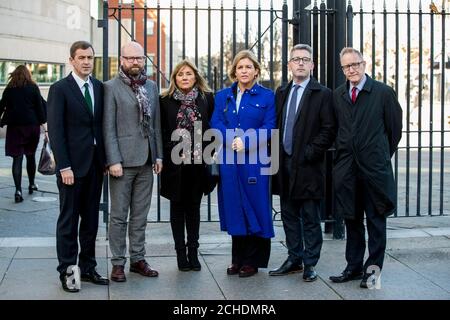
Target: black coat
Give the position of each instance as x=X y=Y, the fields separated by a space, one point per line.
x=72 y=127
x=314 y=133
x=368 y=134
x=22 y=106
x=172 y=182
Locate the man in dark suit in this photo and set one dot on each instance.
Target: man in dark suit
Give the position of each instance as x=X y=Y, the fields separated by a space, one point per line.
x=305 y=118
x=370 y=127
x=75 y=111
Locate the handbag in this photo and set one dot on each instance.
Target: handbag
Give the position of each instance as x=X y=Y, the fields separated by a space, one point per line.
x=47 y=164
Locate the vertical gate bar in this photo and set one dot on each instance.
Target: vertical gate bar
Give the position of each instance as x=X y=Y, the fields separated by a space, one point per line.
x=339 y=34
x=145 y=37
x=315 y=37
x=361 y=28
x=385 y=40
x=171 y=38
x=430 y=161
x=209 y=44
x=259 y=30
x=158 y=83
x=331 y=16
x=196 y=32
x=408 y=92
x=132 y=21
x=158 y=54
x=105 y=73
x=349 y=40
x=397 y=61
x=211 y=86
x=284 y=44
x=441 y=201
x=234 y=29
x=373 y=40
x=323 y=31
x=119 y=35
x=272 y=84
x=419 y=144
x=221 y=45
x=184 y=28
x=246 y=24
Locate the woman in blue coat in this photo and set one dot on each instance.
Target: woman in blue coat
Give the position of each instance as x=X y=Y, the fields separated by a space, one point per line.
x=245 y=115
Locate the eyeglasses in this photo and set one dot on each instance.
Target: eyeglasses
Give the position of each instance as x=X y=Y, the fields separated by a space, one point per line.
x=354 y=66
x=297 y=60
x=131 y=59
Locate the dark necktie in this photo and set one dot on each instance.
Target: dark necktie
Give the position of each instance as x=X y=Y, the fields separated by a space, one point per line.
x=87 y=97
x=354 y=94
x=287 y=143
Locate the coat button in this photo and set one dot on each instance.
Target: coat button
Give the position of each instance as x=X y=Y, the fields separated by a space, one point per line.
x=257 y=105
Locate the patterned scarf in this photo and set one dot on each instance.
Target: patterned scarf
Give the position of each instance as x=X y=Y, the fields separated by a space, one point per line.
x=137 y=85
x=187 y=114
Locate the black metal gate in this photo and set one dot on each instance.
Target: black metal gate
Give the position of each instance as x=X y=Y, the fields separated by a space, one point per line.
x=405 y=47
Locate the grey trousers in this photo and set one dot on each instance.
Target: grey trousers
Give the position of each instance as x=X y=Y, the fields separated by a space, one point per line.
x=130 y=193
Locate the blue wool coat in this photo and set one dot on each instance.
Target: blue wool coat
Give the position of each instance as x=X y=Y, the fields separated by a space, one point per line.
x=243 y=192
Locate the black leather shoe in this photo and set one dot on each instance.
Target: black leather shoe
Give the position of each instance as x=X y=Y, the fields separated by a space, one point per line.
x=63 y=279
x=287 y=267
x=18 y=196
x=94 y=277
x=347 y=275
x=32 y=188
x=309 y=275
x=368 y=281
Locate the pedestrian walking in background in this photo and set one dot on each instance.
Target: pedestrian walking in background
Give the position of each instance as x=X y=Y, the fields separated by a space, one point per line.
x=22 y=109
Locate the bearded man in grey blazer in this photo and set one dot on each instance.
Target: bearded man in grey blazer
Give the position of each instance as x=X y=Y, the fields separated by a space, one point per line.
x=133 y=145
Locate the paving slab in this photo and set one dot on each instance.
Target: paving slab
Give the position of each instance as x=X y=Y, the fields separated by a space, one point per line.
x=263 y=287
x=398 y=282
x=8 y=252
x=50 y=252
x=171 y=284
x=437 y=231
x=38 y=279
x=4 y=263
x=432 y=264
x=418 y=243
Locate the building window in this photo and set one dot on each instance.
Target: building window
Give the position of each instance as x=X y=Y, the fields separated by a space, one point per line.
x=41 y=72
x=150 y=27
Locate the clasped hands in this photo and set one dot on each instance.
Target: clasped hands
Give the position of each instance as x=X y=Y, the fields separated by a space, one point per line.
x=237 y=144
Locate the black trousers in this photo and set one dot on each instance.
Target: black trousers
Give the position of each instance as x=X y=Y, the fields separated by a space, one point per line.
x=80 y=200
x=250 y=250
x=186 y=211
x=376 y=229
x=301 y=223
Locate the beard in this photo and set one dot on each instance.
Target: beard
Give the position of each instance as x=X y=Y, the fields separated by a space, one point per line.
x=133 y=70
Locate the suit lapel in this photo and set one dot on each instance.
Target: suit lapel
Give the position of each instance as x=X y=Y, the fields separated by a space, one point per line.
x=77 y=93
x=128 y=89
x=97 y=93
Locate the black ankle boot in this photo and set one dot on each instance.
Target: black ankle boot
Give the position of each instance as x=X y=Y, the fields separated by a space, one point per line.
x=32 y=187
x=18 y=196
x=182 y=261
x=193 y=259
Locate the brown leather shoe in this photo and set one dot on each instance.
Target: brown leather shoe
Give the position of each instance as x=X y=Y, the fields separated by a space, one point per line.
x=233 y=269
x=143 y=268
x=247 y=271
x=118 y=274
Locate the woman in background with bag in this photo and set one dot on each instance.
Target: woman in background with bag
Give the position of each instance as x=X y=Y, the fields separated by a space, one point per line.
x=187 y=100
x=22 y=110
